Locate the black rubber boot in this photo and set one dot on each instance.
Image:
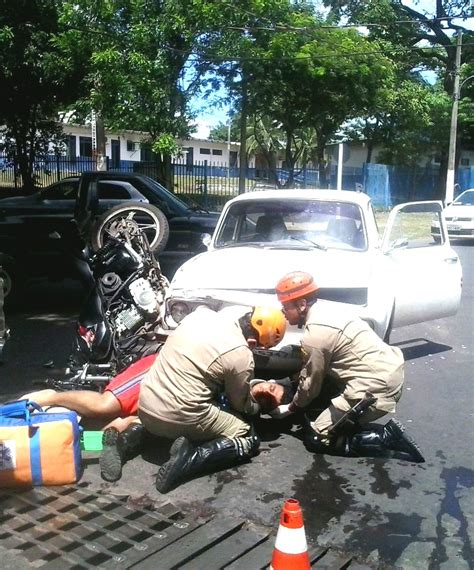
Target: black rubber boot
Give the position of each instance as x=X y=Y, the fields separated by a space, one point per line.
x=313 y=443
x=187 y=460
x=389 y=440
x=117 y=448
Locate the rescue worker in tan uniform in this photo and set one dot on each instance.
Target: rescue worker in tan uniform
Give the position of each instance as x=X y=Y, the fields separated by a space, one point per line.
x=207 y=355
x=346 y=351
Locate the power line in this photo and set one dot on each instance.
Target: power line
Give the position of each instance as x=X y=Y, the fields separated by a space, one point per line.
x=285 y=28
x=280 y=27
x=218 y=58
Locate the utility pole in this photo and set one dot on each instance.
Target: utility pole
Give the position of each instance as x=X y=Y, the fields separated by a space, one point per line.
x=243 y=136
x=454 y=124
x=228 y=151
x=340 y=160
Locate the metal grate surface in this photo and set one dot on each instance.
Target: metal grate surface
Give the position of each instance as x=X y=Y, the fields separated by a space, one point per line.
x=74 y=527
x=58 y=527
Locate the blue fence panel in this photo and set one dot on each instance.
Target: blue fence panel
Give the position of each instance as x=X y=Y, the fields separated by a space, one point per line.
x=352 y=177
x=465 y=178
x=214 y=183
x=390 y=185
x=376 y=184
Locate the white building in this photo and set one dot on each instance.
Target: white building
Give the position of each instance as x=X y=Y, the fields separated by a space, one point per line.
x=131 y=146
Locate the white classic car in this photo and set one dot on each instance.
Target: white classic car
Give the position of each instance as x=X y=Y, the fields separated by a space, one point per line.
x=405 y=277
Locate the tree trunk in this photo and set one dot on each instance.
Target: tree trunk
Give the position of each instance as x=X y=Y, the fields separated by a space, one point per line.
x=370 y=150
x=323 y=182
x=272 y=168
x=289 y=160
x=164 y=172
x=24 y=157
x=442 y=174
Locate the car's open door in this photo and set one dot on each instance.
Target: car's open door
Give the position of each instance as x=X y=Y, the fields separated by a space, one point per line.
x=425 y=272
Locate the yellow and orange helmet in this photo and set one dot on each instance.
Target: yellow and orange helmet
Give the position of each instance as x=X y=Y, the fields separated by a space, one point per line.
x=295 y=285
x=270 y=324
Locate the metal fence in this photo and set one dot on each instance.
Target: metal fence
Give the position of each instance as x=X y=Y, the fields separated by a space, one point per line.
x=213 y=184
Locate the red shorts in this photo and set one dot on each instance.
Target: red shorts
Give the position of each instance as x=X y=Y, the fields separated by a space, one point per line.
x=126 y=385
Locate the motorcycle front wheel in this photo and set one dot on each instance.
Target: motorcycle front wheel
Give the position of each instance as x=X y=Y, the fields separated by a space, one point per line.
x=131 y=218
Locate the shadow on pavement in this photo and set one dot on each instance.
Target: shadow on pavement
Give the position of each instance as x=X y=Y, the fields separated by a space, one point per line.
x=41 y=334
x=420 y=347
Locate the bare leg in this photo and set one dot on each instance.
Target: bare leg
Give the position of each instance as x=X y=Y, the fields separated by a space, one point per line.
x=121 y=424
x=85 y=402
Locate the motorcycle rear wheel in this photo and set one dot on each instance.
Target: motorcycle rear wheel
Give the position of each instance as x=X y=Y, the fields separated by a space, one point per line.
x=145 y=218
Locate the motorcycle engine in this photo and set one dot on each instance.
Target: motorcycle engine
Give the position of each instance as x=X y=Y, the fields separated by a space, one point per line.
x=144 y=296
x=128 y=320
x=110 y=282
x=145 y=305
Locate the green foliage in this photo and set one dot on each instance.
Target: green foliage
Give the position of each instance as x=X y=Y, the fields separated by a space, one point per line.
x=310 y=83
x=36 y=78
x=165 y=144
x=138 y=63
x=221 y=131
x=418 y=41
x=138 y=53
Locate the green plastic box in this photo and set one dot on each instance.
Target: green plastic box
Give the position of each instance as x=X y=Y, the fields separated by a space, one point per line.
x=91 y=440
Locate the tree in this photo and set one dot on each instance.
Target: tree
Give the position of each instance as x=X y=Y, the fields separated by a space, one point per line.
x=418 y=41
x=312 y=77
x=233 y=58
x=265 y=137
x=220 y=132
x=37 y=80
x=146 y=61
x=407 y=123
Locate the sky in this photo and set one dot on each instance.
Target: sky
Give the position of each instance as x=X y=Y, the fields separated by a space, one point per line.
x=211 y=115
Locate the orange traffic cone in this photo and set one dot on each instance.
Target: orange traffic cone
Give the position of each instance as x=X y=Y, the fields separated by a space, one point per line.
x=291 y=550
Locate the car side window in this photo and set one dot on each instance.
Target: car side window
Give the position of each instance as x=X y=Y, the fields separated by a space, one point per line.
x=111 y=191
x=61 y=191
x=413 y=229
x=228 y=231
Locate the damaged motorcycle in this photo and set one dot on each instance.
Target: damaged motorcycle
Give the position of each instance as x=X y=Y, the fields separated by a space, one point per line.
x=122 y=313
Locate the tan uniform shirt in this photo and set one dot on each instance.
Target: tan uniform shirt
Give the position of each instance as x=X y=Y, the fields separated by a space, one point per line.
x=350 y=352
x=205 y=355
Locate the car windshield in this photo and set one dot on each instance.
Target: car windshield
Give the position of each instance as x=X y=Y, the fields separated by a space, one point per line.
x=465 y=199
x=296 y=224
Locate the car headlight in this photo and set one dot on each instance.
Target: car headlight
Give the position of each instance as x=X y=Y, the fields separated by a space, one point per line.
x=179 y=310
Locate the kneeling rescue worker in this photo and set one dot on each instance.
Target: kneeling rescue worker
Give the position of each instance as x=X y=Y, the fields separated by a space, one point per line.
x=208 y=354
x=350 y=354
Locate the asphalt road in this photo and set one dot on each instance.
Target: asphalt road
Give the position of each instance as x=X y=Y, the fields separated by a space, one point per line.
x=392 y=514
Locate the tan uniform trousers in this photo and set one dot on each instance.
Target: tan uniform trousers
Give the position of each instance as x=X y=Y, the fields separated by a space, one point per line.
x=217 y=423
x=331 y=415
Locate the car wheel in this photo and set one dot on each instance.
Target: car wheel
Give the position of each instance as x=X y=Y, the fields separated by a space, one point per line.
x=145 y=218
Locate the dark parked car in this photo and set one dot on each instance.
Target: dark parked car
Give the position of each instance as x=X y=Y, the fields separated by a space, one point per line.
x=39 y=232
x=3 y=326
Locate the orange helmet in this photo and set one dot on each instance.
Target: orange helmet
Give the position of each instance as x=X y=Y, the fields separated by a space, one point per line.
x=270 y=324
x=295 y=285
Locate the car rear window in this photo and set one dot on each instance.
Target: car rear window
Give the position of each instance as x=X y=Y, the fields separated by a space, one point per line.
x=112 y=191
